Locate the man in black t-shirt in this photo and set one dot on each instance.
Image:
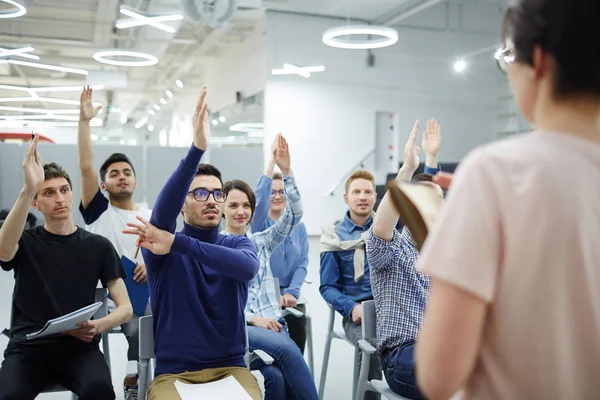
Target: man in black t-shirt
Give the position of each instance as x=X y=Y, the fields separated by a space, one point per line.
x=56 y=267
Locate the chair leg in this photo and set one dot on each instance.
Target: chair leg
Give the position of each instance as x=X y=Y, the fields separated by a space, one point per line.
x=106 y=349
x=309 y=345
x=143 y=381
x=363 y=377
x=355 y=372
x=326 y=354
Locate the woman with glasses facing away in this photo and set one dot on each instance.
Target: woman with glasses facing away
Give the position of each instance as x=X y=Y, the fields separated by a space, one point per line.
x=514 y=307
x=288 y=378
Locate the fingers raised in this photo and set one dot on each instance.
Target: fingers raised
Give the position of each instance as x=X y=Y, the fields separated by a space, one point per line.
x=413 y=134
x=201 y=100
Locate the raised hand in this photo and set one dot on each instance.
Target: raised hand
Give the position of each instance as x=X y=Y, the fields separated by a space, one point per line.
x=411 y=150
x=281 y=155
x=432 y=138
x=33 y=171
x=86 y=107
x=150 y=237
x=200 y=122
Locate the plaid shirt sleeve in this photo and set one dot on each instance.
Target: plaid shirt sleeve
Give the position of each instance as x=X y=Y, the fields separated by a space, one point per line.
x=277 y=233
x=381 y=254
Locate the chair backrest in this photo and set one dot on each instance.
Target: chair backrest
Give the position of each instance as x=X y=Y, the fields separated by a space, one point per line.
x=369 y=321
x=277 y=288
x=103 y=310
x=146 y=335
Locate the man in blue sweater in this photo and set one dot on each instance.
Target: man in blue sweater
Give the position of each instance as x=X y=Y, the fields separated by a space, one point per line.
x=198 y=278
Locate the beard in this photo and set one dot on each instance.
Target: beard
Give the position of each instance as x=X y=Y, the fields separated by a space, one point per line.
x=197 y=220
x=119 y=195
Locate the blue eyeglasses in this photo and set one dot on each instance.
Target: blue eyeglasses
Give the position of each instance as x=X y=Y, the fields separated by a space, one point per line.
x=201 y=194
x=277 y=192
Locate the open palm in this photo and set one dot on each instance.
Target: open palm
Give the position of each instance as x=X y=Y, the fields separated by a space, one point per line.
x=281 y=153
x=33 y=171
x=156 y=240
x=87 y=111
x=432 y=137
x=200 y=122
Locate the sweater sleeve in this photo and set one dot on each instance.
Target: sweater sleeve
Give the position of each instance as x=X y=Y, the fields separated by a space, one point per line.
x=263 y=202
x=239 y=263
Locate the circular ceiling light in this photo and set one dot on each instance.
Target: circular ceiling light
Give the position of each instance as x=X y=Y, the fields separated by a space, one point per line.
x=383 y=37
x=143 y=59
x=18 y=9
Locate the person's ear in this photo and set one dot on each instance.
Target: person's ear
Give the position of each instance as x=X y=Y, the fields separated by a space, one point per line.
x=346 y=198
x=103 y=186
x=34 y=204
x=540 y=62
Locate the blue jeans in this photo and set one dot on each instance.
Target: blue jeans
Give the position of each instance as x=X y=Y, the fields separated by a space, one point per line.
x=399 y=371
x=288 y=378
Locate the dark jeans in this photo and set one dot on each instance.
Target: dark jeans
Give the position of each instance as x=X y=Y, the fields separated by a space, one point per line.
x=354 y=333
x=29 y=368
x=297 y=327
x=288 y=378
x=399 y=370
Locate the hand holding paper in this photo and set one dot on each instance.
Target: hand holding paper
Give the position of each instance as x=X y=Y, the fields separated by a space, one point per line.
x=86 y=331
x=418 y=205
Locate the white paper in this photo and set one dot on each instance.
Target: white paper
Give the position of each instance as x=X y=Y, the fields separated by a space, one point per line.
x=228 y=388
x=427 y=200
x=66 y=322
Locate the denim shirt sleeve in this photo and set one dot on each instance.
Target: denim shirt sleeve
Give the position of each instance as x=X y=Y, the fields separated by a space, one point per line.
x=301 y=268
x=276 y=234
x=330 y=288
x=432 y=171
x=263 y=202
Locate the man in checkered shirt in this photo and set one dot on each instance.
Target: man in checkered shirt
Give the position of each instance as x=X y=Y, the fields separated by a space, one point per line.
x=399 y=290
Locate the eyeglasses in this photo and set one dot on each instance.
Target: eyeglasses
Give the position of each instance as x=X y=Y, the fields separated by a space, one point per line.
x=277 y=192
x=505 y=56
x=201 y=194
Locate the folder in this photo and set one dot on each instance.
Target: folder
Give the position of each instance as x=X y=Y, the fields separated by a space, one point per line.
x=66 y=322
x=227 y=388
x=138 y=292
x=418 y=205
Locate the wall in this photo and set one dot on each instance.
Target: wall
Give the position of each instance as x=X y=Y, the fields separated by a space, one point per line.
x=330 y=119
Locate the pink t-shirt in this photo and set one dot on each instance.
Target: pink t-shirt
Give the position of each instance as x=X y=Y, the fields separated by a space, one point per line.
x=521 y=230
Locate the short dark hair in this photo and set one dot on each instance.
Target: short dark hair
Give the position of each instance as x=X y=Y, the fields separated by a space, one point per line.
x=422 y=178
x=210 y=170
x=566 y=30
x=114 y=158
x=53 y=170
x=242 y=187
x=277 y=176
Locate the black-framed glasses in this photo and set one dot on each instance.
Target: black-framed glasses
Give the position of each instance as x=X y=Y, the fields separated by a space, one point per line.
x=201 y=194
x=504 y=57
x=277 y=192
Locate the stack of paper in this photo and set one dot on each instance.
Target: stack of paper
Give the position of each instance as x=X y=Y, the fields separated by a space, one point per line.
x=418 y=206
x=228 y=388
x=66 y=322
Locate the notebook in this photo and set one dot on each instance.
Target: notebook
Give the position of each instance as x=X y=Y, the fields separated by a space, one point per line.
x=418 y=205
x=138 y=292
x=66 y=322
x=227 y=388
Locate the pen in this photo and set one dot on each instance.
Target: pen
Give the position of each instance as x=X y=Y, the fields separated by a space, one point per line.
x=33 y=137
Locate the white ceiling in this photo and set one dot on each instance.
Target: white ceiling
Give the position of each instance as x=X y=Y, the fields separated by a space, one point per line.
x=69 y=32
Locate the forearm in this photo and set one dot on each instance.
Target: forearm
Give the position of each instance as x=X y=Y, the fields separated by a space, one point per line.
x=240 y=264
x=263 y=200
x=291 y=216
x=172 y=196
x=84 y=146
x=117 y=317
x=340 y=302
x=296 y=281
x=387 y=216
x=270 y=168
x=13 y=226
x=431 y=160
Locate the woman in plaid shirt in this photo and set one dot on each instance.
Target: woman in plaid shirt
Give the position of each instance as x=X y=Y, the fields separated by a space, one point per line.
x=288 y=377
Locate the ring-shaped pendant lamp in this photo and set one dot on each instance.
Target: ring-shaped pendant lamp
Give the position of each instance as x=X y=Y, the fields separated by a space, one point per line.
x=143 y=59
x=383 y=37
x=17 y=11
